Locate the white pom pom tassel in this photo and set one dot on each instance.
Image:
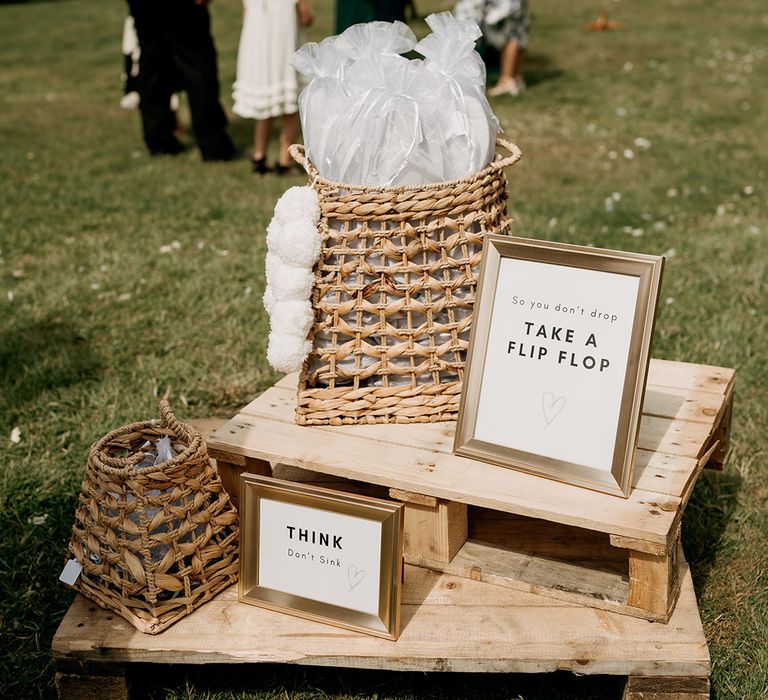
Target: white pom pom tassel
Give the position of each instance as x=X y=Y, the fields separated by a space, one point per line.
x=287 y=353
x=298 y=204
x=298 y=244
x=293 y=248
x=291 y=318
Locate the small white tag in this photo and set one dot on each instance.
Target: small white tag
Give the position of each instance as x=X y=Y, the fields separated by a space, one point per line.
x=71 y=572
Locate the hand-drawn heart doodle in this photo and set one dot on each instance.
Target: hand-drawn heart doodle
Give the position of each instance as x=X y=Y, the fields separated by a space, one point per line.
x=551 y=406
x=354 y=576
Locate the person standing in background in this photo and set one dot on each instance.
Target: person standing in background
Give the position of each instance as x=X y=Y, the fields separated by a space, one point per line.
x=505 y=25
x=349 y=12
x=175 y=37
x=266 y=85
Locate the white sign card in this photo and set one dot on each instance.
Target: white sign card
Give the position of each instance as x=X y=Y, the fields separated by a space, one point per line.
x=340 y=554
x=558 y=359
x=322 y=554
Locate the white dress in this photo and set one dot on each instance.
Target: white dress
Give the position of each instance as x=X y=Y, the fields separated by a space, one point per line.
x=266 y=85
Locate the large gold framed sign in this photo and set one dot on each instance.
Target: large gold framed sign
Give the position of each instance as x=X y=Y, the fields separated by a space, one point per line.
x=558 y=360
x=321 y=554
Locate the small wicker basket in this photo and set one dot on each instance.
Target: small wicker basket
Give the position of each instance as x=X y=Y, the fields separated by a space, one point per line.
x=394 y=293
x=154 y=542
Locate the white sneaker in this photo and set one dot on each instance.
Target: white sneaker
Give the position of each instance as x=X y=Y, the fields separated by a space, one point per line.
x=130 y=100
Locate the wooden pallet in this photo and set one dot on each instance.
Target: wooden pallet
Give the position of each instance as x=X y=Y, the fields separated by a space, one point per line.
x=449 y=624
x=480 y=521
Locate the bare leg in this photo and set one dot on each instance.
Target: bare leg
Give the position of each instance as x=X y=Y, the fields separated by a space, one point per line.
x=508 y=63
x=517 y=72
x=261 y=137
x=511 y=70
x=288 y=134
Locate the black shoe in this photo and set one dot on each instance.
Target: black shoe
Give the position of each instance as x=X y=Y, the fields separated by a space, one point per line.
x=259 y=166
x=170 y=147
x=292 y=169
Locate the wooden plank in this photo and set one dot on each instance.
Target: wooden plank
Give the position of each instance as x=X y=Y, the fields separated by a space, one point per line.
x=544 y=539
x=690 y=376
x=654 y=580
x=722 y=434
x=657 y=434
x=678 y=390
x=220 y=456
x=444 y=475
x=418 y=458
x=674 y=437
x=665 y=688
x=76 y=686
x=434 y=532
x=681 y=404
x=207 y=426
x=655 y=470
x=230 y=475
x=410 y=497
x=561 y=562
x=563 y=580
x=639 y=545
x=449 y=624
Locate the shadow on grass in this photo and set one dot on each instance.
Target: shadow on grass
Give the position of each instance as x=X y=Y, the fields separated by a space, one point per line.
x=537 y=69
x=32 y=600
x=291 y=682
x=40 y=356
x=712 y=505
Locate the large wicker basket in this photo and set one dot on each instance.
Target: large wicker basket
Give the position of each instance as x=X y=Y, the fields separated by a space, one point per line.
x=393 y=296
x=154 y=542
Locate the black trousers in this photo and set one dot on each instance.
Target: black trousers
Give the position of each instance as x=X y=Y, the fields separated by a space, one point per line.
x=175 y=37
x=390 y=10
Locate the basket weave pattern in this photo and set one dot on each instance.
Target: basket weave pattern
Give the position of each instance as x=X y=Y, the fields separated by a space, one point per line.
x=393 y=296
x=155 y=542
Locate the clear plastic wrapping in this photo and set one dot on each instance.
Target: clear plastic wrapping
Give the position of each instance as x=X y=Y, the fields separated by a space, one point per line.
x=372 y=117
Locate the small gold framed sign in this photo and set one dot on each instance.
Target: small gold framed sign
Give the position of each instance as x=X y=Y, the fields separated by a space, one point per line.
x=558 y=360
x=321 y=554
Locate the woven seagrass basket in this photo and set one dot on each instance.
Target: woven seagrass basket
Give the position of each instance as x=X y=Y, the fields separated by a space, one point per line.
x=154 y=542
x=394 y=293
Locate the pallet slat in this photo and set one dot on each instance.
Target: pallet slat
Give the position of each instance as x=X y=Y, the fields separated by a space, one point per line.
x=449 y=624
x=671 y=465
x=622 y=554
x=642 y=515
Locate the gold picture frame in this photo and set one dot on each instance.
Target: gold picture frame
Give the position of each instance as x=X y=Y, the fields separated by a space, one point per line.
x=557 y=327
x=321 y=554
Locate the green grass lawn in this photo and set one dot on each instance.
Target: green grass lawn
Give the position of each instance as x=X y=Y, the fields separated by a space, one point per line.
x=651 y=139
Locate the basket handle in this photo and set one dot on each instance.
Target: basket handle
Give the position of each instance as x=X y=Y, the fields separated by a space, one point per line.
x=170 y=421
x=515 y=154
x=126 y=465
x=299 y=155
